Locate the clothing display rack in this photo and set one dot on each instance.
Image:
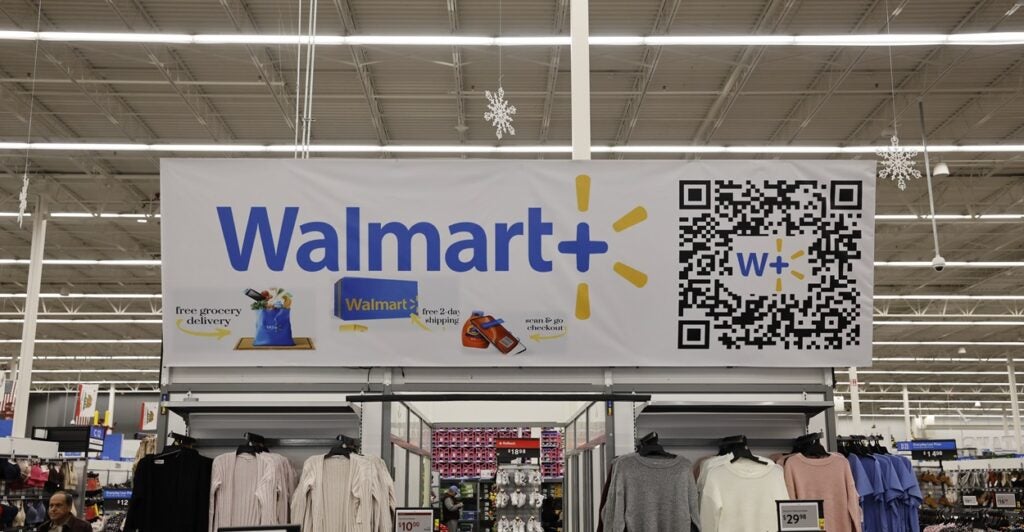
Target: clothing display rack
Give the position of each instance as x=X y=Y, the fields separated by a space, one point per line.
x=971 y=519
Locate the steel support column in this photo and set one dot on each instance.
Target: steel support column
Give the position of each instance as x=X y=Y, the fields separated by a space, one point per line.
x=28 y=331
x=579 y=52
x=855 y=399
x=1014 y=403
x=907 y=427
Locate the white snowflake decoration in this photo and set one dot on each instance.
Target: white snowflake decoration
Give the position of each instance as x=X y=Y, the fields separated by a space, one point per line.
x=499 y=112
x=23 y=198
x=898 y=164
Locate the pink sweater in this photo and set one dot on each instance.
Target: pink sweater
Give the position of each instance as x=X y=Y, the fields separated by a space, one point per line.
x=828 y=479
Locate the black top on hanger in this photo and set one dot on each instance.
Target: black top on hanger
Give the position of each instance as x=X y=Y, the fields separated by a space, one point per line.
x=648 y=446
x=181 y=443
x=744 y=452
x=810 y=446
x=345 y=447
x=726 y=445
x=254 y=444
x=737 y=447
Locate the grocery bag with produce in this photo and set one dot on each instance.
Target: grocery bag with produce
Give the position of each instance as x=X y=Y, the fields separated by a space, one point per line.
x=273 y=317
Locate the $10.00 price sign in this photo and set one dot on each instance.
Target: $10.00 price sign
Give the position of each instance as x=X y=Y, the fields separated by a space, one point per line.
x=414 y=520
x=800 y=516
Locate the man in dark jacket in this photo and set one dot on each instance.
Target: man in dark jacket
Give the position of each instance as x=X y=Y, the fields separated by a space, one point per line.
x=61 y=519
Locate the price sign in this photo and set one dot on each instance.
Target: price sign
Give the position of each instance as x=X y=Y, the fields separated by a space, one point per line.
x=116 y=500
x=930 y=449
x=414 y=520
x=798 y=516
x=1006 y=500
x=518 y=451
x=970 y=500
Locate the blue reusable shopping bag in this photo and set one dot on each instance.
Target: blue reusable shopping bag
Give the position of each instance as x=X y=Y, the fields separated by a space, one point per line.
x=273 y=327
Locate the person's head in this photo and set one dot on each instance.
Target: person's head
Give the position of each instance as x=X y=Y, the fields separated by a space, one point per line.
x=453 y=490
x=60 y=506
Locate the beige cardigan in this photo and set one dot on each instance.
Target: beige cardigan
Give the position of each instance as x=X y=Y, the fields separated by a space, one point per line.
x=267 y=500
x=311 y=505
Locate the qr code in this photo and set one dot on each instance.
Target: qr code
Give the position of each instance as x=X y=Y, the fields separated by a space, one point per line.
x=769 y=264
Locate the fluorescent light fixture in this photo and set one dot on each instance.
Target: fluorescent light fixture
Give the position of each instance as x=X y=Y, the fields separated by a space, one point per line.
x=934 y=401
x=950 y=264
x=462 y=148
x=940 y=342
x=84 y=313
x=96 y=357
x=954 y=217
x=917 y=372
x=87 y=262
x=86 y=296
x=86 y=341
x=885 y=315
x=106 y=370
x=958 y=384
x=921 y=39
x=949 y=297
x=95 y=382
x=950 y=322
x=61 y=320
x=89 y=215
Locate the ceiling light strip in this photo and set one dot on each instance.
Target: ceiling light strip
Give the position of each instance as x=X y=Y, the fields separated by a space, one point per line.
x=98 y=321
x=85 y=341
x=482 y=149
x=835 y=40
x=55 y=295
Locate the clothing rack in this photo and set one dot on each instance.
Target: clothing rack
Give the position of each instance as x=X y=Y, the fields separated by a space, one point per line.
x=751 y=442
x=269 y=443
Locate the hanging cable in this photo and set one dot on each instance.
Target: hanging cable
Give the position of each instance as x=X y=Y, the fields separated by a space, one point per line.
x=892 y=77
x=23 y=195
x=298 y=82
x=938 y=261
x=307 y=117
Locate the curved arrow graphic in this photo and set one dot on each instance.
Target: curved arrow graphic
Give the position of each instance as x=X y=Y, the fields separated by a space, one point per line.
x=353 y=327
x=536 y=337
x=218 y=333
x=416 y=319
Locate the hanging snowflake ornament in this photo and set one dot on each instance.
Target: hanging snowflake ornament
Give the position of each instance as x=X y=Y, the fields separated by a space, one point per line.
x=23 y=198
x=499 y=112
x=898 y=163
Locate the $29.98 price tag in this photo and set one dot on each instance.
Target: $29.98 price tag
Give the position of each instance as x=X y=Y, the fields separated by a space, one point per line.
x=798 y=516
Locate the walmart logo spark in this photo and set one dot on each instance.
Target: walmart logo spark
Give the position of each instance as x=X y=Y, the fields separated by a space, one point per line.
x=757 y=264
x=582 y=247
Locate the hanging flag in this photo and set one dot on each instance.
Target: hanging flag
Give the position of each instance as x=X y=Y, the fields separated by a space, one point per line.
x=85 y=407
x=149 y=413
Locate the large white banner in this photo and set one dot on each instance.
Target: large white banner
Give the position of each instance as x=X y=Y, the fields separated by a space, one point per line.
x=517 y=263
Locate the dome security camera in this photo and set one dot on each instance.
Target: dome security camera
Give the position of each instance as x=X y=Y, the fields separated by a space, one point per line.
x=941 y=170
x=938 y=263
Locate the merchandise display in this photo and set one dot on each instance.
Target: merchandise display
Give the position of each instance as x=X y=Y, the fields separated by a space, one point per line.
x=462 y=453
x=517 y=497
x=181 y=490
